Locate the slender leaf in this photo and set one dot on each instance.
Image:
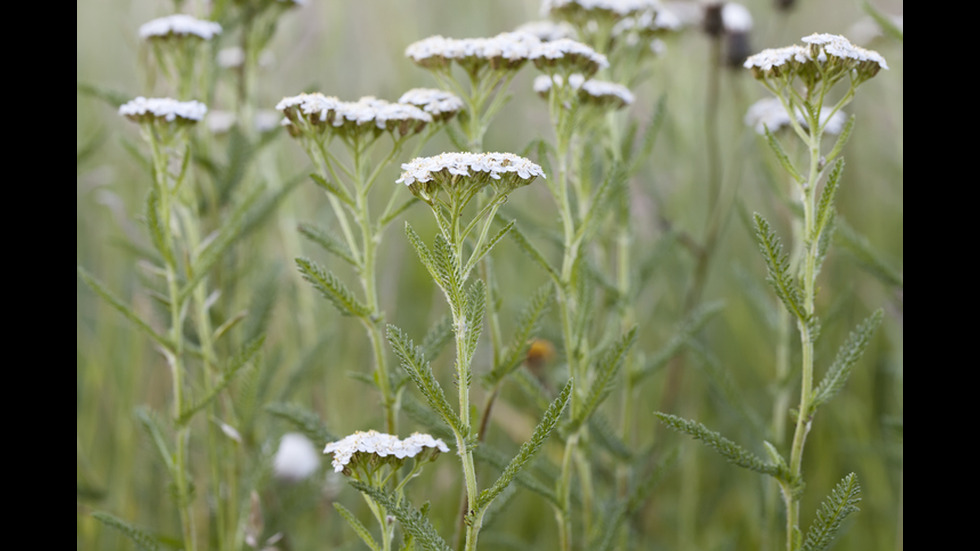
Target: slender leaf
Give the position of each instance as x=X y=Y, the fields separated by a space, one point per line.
x=825 y=206
x=841 y=502
x=333 y=289
x=534 y=253
x=524 y=478
x=529 y=448
x=137 y=535
x=605 y=376
x=411 y=519
x=728 y=449
x=473 y=313
x=438 y=336
x=325 y=239
x=414 y=362
x=848 y=355
x=152 y=427
x=526 y=325
x=234 y=368
x=122 y=308
x=841 y=139
x=487 y=247
x=779 y=270
x=306 y=421
x=335 y=190
x=356 y=525
x=155 y=226
x=784 y=160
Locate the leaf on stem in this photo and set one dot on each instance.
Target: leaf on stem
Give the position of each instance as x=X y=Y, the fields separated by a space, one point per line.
x=841 y=502
x=122 y=308
x=825 y=206
x=533 y=252
x=234 y=368
x=605 y=376
x=358 y=528
x=473 y=312
x=528 y=449
x=410 y=518
x=487 y=247
x=137 y=535
x=784 y=160
x=526 y=325
x=306 y=421
x=697 y=319
x=437 y=337
x=333 y=189
x=848 y=355
x=152 y=427
x=728 y=449
x=333 y=289
x=841 y=139
x=156 y=229
x=414 y=362
x=326 y=239
x=778 y=267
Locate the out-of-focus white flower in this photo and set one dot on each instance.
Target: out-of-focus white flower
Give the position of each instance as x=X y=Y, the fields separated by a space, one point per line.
x=505 y=51
x=736 y=18
x=381 y=445
x=144 y=109
x=231 y=58
x=770 y=113
x=548 y=30
x=220 y=121
x=568 y=56
x=440 y=104
x=296 y=457
x=179 y=25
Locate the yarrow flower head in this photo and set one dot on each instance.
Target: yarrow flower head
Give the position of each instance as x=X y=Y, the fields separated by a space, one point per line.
x=599 y=93
x=321 y=116
x=770 y=113
x=179 y=25
x=825 y=57
x=440 y=104
x=163 y=109
x=506 y=51
x=371 y=449
x=426 y=176
x=566 y=56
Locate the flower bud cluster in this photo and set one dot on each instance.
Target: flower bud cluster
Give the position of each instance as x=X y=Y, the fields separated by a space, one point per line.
x=163 y=109
x=372 y=445
x=440 y=104
x=595 y=92
x=321 y=114
x=825 y=57
x=506 y=51
x=425 y=176
x=568 y=56
x=179 y=25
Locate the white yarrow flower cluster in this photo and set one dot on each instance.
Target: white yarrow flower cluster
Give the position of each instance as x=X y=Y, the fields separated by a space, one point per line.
x=494 y=165
x=568 y=54
x=369 y=112
x=826 y=57
x=770 y=113
x=381 y=445
x=591 y=91
x=771 y=61
x=504 y=51
x=837 y=46
x=179 y=25
x=167 y=109
x=438 y=103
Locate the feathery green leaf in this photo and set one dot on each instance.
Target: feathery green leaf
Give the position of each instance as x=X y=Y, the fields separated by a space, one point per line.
x=533 y=252
x=411 y=519
x=304 y=420
x=356 y=525
x=122 y=308
x=784 y=160
x=529 y=448
x=140 y=537
x=841 y=502
x=414 y=362
x=527 y=323
x=335 y=190
x=778 y=267
x=728 y=449
x=848 y=355
x=333 y=289
x=825 y=206
x=234 y=368
x=841 y=139
x=605 y=376
x=487 y=247
x=325 y=239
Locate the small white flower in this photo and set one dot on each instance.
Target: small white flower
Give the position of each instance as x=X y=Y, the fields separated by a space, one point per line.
x=736 y=18
x=179 y=25
x=424 y=169
x=381 y=445
x=163 y=108
x=296 y=457
x=438 y=103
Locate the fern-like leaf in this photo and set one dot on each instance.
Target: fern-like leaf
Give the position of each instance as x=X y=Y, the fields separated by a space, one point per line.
x=137 y=535
x=358 y=528
x=728 y=449
x=783 y=158
x=848 y=355
x=605 y=376
x=234 y=367
x=529 y=448
x=527 y=323
x=414 y=363
x=122 y=308
x=778 y=267
x=410 y=518
x=333 y=289
x=325 y=239
x=841 y=502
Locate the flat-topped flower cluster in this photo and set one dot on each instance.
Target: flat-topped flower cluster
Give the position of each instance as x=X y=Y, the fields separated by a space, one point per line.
x=494 y=165
x=383 y=445
x=592 y=91
x=505 y=51
x=318 y=113
x=440 y=104
x=143 y=109
x=823 y=57
x=179 y=25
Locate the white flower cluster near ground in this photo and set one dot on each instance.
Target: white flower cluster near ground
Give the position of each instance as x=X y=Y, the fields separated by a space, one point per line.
x=179 y=25
x=163 y=108
x=380 y=444
x=424 y=169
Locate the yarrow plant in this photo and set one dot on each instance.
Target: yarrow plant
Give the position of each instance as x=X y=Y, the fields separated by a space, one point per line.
x=802 y=78
x=176 y=42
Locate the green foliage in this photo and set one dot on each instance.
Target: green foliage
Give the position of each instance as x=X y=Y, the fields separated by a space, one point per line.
x=140 y=537
x=122 y=308
x=306 y=421
x=358 y=528
x=695 y=321
x=529 y=448
x=234 y=368
x=784 y=159
x=867 y=256
x=487 y=247
x=151 y=425
x=728 y=449
x=777 y=264
x=841 y=502
x=414 y=363
x=847 y=355
x=518 y=236
x=411 y=519
x=333 y=289
x=333 y=189
x=328 y=241
x=841 y=139
x=825 y=206
x=603 y=378
x=474 y=309
x=513 y=356
x=524 y=478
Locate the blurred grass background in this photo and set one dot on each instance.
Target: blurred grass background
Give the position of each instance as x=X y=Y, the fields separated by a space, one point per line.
x=352 y=49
